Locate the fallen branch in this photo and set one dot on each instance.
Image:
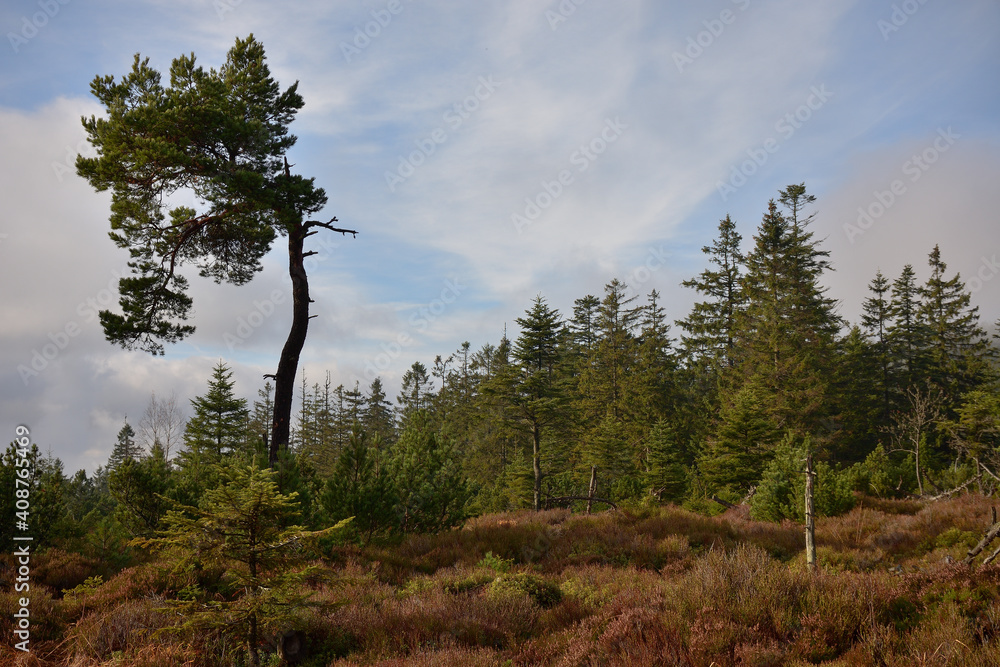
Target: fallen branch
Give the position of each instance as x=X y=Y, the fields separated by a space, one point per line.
x=991 y=535
x=727 y=505
x=948 y=494
x=989 y=559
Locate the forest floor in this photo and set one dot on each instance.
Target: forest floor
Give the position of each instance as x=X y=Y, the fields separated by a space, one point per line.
x=646 y=586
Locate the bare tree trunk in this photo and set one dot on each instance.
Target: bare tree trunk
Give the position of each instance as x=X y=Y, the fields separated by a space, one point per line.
x=284 y=378
x=593 y=487
x=810 y=517
x=916 y=457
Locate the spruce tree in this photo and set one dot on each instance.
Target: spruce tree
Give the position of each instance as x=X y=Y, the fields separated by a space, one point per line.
x=241 y=529
x=140 y=488
x=907 y=336
x=743 y=444
x=786 y=332
x=497 y=438
x=378 y=418
x=615 y=354
x=415 y=394
x=876 y=321
x=711 y=325
x=360 y=487
x=431 y=488
x=857 y=398
x=666 y=476
x=215 y=431
x=654 y=377
x=583 y=327
x=536 y=392
x=125 y=448
x=958 y=348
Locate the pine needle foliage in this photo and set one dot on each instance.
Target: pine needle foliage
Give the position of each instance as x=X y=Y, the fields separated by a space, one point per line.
x=240 y=533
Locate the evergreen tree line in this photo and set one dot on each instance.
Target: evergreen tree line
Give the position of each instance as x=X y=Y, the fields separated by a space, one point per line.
x=762 y=372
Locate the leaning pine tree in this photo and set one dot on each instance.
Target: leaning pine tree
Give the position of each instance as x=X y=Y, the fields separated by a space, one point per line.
x=220 y=138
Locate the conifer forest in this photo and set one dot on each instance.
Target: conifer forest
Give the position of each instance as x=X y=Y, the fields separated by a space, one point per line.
x=757 y=481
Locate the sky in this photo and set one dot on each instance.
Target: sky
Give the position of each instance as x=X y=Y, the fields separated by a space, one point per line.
x=488 y=153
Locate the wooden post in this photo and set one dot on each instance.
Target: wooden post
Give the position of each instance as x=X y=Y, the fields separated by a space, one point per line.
x=593 y=487
x=810 y=517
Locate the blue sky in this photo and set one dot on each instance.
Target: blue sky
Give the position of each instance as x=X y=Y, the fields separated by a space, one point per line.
x=659 y=117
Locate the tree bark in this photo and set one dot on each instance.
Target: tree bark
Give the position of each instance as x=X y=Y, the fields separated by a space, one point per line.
x=593 y=487
x=810 y=517
x=288 y=363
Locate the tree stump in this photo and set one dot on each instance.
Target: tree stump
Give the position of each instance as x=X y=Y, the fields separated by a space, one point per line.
x=292 y=646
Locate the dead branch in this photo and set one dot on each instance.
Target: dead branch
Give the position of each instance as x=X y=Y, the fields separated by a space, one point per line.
x=727 y=505
x=948 y=494
x=991 y=535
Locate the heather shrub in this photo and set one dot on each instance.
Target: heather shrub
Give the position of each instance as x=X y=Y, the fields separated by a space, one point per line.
x=60 y=570
x=121 y=628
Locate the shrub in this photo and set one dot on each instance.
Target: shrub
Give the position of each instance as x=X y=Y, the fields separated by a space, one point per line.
x=544 y=593
x=781 y=493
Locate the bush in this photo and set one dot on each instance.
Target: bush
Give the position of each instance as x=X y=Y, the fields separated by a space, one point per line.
x=781 y=493
x=544 y=593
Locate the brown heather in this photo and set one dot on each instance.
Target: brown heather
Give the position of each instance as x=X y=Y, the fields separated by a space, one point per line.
x=647 y=586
